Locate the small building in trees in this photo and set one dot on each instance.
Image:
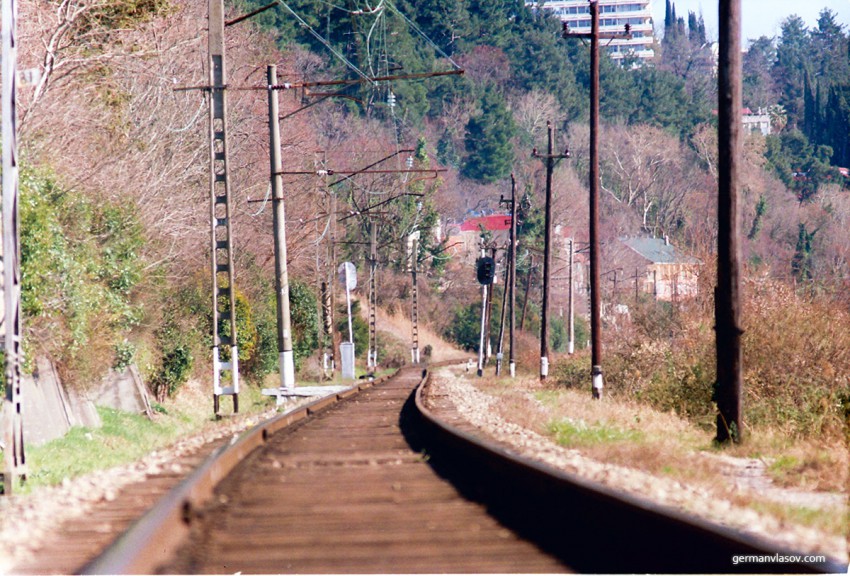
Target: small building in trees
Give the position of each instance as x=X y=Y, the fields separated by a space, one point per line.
x=758 y=121
x=658 y=268
x=464 y=239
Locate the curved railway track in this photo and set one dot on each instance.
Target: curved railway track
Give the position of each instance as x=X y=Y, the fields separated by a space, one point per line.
x=371 y=481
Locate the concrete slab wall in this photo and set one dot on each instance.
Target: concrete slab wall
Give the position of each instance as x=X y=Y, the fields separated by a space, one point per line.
x=50 y=410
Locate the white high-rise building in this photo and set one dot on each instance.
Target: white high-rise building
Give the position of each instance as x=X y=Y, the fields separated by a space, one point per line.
x=613 y=17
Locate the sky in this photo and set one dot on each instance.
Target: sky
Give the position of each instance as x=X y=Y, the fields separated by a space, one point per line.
x=760 y=17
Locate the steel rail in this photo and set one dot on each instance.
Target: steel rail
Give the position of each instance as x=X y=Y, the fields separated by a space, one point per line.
x=155 y=536
x=591 y=527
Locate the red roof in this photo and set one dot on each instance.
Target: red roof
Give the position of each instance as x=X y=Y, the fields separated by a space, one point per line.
x=490 y=223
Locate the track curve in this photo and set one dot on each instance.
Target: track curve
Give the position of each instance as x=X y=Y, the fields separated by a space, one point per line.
x=377 y=483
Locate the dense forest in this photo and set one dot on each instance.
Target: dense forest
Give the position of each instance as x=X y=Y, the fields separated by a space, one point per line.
x=115 y=161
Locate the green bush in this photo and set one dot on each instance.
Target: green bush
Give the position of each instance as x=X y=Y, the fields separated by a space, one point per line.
x=80 y=271
x=465 y=328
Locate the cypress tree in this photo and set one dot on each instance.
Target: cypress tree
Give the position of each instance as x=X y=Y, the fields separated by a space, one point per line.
x=490 y=153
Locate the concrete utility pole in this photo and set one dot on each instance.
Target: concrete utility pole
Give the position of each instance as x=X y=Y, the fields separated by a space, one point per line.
x=286 y=357
x=595 y=303
x=528 y=279
x=727 y=308
x=221 y=210
x=488 y=344
x=550 y=158
x=571 y=340
x=15 y=459
x=414 y=351
x=502 y=315
x=510 y=284
x=372 y=356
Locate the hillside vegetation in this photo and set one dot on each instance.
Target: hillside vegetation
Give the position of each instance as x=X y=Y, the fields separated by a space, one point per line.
x=115 y=187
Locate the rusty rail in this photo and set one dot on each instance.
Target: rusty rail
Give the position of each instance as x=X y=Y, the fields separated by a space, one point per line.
x=591 y=527
x=164 y=527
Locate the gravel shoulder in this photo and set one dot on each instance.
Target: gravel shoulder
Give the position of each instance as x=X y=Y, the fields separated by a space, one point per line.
x=720 y=498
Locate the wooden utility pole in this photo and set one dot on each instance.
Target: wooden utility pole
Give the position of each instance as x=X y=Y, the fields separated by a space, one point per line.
x=286 y=357
x=550 y=157
x=512 y=260
x=595 y=301
x=727 y=308
x=13 y=434
x=221 y=210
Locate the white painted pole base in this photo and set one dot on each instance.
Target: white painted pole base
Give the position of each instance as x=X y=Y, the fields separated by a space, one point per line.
x=544 y=366
x=598 y=384
x=286 y=361
x=513 y=369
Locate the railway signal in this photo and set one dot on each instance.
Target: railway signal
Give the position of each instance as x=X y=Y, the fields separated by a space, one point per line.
x=486 y=270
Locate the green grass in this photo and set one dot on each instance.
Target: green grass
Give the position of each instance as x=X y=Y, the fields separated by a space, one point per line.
x=573 y=433
x=819 y=519
x=123 y=438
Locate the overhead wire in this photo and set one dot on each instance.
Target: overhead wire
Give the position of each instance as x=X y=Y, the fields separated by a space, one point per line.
x=325 y=42
x=419 y=31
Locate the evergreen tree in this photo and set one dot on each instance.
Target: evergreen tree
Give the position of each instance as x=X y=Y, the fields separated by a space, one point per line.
x=792 y=64
x=759 y=87
x=801 y=264
x=489 y=146
x=836 y=125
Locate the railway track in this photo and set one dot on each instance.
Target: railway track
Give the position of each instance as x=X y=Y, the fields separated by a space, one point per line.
x=374 y=482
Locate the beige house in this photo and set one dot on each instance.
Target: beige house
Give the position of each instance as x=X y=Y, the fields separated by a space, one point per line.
x=659 y=269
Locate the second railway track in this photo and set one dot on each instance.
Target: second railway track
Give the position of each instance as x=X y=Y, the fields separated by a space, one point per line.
x=378 y=484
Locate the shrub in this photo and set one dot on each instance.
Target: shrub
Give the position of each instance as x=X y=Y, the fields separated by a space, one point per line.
x=465 y=329
x=80 y=270
x=392 y=352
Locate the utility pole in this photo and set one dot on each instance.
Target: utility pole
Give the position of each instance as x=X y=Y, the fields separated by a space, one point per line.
x=528 y=279
x=503 y=315
x=510 y=284
x=550 y=158
x=372 y=357
x=595 y=308
x=512 y=263
x=335 y=337
x=571 y=340
x=284 y=327
x=485 y=269
x=488 y=344
x=223 y=275
x=15 y=459
x=727 y=308
x=414 y=351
